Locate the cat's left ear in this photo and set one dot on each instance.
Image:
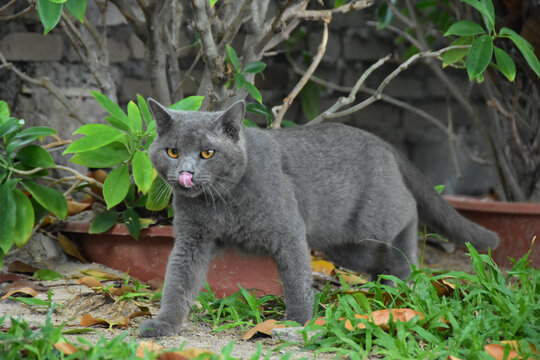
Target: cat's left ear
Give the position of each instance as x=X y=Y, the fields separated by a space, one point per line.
x=232 y=119
x=162 y=116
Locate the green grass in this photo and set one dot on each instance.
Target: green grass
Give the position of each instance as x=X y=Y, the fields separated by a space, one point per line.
x=485 y=307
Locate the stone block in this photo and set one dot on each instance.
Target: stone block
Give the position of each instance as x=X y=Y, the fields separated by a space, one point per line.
x=137 y=47
x=131 y=87
x=372 y=49
x=118 y=50
x=113 y=16
x=23 y=46
x=406 y=86
x=333 y=47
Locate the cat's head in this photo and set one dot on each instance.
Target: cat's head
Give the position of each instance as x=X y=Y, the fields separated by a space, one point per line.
x=199 y=152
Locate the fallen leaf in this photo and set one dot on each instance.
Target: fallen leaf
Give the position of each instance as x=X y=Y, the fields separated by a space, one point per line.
x=443 y=287
x=381 y=318
x=497 y=351
x=75 y=207
x=187 y=354
x=70 y=248
x=47 y=275
x=121 y=290
x=264 y=328
x=146 y=222
x=91 y=282
x=451 y=357
x=147 y=347
x=23 y=291
x=518 y=344
x=99 y=175
x=88 y=320
x=25 y=283
x=20 y=267
x=143 y=311
x=66 y=348
x=7 y=277
x=322 y=266
x=350 y=277
x=101 y=275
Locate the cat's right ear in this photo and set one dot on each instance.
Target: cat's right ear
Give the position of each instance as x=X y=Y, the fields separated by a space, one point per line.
x=162 y=116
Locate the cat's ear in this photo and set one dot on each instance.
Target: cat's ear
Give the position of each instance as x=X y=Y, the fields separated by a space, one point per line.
x=162 y=116
x=232 y=119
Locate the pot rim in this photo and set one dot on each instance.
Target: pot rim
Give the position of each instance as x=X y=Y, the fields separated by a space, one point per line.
x=117 y=229
x=490 y=206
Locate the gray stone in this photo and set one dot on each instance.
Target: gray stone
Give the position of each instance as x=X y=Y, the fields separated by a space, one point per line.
x=372 y=49
x=118 y=50
x=131 y=87
x=41 y=251
x=137 y=47
x=113 y=16
x=23 y=46
x=333 y=47
x=406 y=86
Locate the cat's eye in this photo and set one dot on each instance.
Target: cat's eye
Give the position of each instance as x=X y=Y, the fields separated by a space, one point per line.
x=172 y=153
x=207 y=154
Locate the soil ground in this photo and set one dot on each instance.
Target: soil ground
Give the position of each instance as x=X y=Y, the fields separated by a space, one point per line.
x=79 y=299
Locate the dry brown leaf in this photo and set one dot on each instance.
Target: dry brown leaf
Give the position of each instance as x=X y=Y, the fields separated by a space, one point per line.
x=19 y=284
x=88 y=320
x=6 y=277
x=70 y=248
x=20 y=267
x=350 y=277
x=381 y=318
x=75 y=207
x=23 y=291
x=147 y=347
x=186 y=354
x=451 y=357
x=91 y=282
x=443 y=287
x=66 y=348
x=264 y=328
x=155 y=283
x=101 y=275
x=143 y=311
x=517 y=344
x=322 y=266
x=121 y=290
x=497 y=351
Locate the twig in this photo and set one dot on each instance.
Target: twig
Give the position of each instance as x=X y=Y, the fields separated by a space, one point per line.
x=187 y=73
x=327 y=14
x=17 y=15
x=332 y=111
x=281 y=110
x=9 y=4
x=77 y=174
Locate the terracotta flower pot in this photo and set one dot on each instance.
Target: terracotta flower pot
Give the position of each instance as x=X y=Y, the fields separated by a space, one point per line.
x=147 y=258
x=516 y=223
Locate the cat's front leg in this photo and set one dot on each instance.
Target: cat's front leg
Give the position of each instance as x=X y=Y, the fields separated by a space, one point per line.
x=186 y=272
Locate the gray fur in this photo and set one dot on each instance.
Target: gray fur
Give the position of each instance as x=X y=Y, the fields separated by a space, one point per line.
x=279 y=192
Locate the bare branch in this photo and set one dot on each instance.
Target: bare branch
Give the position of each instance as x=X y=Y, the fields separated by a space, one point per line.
x=281 y=110
x=327 y=14
x=8 y=5
x=17 y=15
x=138 y=26
x=77 y=174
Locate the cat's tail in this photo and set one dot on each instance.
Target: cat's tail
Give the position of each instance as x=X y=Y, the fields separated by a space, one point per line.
x=439 y=215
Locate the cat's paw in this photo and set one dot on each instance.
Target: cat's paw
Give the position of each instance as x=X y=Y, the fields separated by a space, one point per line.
x=156 y=327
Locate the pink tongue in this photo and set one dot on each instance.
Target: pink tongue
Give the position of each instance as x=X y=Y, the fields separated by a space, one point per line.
x=185 y=179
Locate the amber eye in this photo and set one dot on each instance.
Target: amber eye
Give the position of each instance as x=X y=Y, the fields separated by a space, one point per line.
x=172 y=153
x=207 y=154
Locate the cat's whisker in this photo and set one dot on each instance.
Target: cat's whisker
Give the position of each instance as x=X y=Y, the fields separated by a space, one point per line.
x=224 y=202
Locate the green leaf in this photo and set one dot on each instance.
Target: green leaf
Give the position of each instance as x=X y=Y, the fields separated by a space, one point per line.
x=106 y=156
x=33 y=156
x=464 y=28
x=96 y=140
x=45 y=274
x=145 y=112
x=142 y=171
x=239 y=80
x=309 y=97
x=30 y=301
x=385 y=16
x=250 y=123
x=158 y=195
x=131 y=219
x=254 y=67
x=484 y=7
x=253 y=91
x=9 y=127
x=116 y=186
x=8 y=218
x=103 y=222
x=117 y=123
x=50 y=199
x=49 y=14
x=36 y=131
x=479 y=56
x=338 y=3
x=191 y=103
x=77 y=8
x=232 y=58
x=4 y=111
x=134 y=118
x=439 y=188
x=24 y=218
x=111 y=107
x=505 y=64
x=212 y=3
x=288 y=123
x=524 y=47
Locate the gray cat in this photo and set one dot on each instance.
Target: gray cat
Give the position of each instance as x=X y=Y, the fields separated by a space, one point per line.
x=281 y=192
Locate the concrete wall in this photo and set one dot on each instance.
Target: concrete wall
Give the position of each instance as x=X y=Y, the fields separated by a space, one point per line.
x=352 y=47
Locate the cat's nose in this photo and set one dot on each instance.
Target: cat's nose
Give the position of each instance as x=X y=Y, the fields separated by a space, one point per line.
x=184 y=179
